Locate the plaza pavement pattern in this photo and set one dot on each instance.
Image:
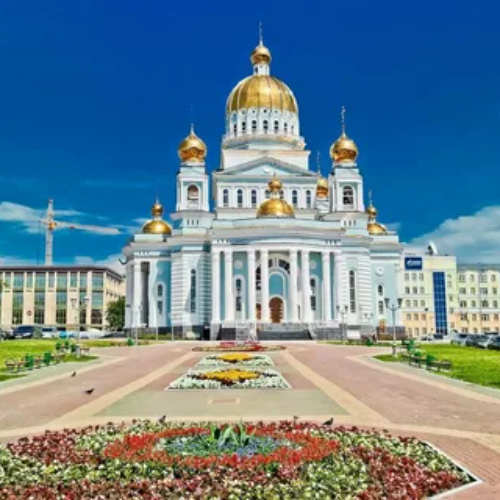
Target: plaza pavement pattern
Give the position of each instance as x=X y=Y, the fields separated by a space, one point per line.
x=340 y=381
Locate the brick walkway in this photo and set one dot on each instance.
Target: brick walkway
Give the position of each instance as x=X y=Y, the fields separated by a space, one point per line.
x=355 y=389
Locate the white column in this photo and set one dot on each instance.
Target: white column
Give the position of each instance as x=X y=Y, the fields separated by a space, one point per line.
x=228 y=288
x=306 y=287
x=251 y=285
x=264 y=284
x=293 y=286
x=137 y=299
x=339 y=302
x=327 y=298
x=215 y=285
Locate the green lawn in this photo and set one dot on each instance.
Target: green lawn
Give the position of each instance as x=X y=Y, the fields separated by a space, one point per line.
x=477 y=366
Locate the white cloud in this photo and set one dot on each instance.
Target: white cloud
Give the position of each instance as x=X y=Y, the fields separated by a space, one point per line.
x=111 y=261
x=472 y=238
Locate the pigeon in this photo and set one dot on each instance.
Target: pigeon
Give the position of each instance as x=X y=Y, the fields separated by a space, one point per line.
x=73 y=374
x=89 y=391
x=162 y=420
x=295 y=418
x=328 y=422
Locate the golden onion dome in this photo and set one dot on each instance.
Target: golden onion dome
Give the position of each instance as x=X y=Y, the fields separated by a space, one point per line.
x=192 y=148
x=157 y=225
x=261 y=55
x=344 y=149
x=374 y=227
x=322 y=188
x=261 y=91
x=275 y=206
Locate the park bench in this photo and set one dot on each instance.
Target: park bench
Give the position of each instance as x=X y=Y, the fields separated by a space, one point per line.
x=432 y=363
x=85 y=350
x=417 y=358
x=14 y=365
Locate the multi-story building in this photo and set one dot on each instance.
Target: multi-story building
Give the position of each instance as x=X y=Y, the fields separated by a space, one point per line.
x=63 y=296
x=428 y=286
x=478 y=298
x=441 y=296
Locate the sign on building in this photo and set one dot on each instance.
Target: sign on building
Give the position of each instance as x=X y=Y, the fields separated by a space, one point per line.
x=413 y=263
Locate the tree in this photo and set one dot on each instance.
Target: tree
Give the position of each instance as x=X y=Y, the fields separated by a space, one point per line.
x=115 y=314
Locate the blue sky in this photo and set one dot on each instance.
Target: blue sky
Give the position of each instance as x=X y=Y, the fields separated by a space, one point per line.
x=95 y=97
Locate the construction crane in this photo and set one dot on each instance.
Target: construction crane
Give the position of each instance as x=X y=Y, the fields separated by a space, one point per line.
x=51 y=225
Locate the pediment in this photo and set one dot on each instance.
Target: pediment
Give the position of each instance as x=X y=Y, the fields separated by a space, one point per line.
x=265 y=167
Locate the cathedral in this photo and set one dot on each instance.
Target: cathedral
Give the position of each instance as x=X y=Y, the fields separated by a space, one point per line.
x=264 y=247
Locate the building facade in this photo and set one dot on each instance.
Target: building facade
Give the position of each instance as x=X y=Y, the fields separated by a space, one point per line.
x=441 y=296
x=67 y=297
x=280 y=248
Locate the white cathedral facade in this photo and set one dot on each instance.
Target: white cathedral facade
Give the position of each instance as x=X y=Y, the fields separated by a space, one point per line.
x=282 y=250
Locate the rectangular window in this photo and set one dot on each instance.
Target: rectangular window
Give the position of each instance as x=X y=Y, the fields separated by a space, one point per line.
x=40 y=300
x=29 y=280
x=160 y=307
x=83 y=280
x=51 y=280
x=461 y=278
x=463 y=303
x=39 y=316
x=18 y=281
x=485 y=317
x=473 y=291
x=483 y=278
x=380 y=307
x=408 y=317
x=407 y=276
x=61 y=316
x=8 y=280
x=73 y=282
x=462 y=291
x=17 y=307
x=414 y=290
x=97 y=280
x=61 y=300
x=62 y=281
x=97 y=300
x=483 y=291
x=96 y=317
x=415 y=317
x=421 y=276
x=40 y=281
x=407 y=289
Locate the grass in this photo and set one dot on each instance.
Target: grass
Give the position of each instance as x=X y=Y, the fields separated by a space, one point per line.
x=471 y=364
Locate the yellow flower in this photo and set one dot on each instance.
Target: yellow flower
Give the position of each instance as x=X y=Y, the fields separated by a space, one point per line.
x=230 y=376
x=235 y=358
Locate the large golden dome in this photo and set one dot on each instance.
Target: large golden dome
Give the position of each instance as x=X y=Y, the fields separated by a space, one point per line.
x=344 y=149
x=261 y=91
x=192 y=148
x=275 y=206
x=157 y=225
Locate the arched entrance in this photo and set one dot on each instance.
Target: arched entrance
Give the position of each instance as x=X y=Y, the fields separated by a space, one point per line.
x=258 y=312
x=276 y=309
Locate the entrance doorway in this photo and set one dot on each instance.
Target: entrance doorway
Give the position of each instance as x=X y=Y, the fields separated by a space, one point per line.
x=276 y=309
x=258 y=312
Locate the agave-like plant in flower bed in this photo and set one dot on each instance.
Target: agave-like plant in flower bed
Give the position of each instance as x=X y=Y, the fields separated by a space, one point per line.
x=230 y=378
x=203 y=461
x=236 y=358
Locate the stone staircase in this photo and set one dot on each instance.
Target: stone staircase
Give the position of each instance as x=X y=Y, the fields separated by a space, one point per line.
x=273 y=334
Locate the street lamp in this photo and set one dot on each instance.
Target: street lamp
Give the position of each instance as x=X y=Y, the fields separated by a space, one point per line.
x=78 y=306
x=393 y=308
x=342 y=311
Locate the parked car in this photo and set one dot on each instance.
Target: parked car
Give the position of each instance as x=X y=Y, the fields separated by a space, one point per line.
x=473 y=340
x=3 y=335
x=27 y=332
x=460 y=338
x=494 y=344
x=49 y=332
x=484 y=343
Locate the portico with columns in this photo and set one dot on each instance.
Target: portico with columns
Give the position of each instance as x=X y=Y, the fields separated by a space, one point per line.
x=281 y=248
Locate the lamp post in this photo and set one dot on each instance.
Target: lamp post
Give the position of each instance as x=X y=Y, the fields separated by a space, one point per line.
x=342 y=311
x=393 y=308
x=171 y=318
x=78 y=306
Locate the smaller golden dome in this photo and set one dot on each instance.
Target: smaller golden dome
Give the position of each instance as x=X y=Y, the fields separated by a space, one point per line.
x=192 y=148
x=374 y=227
x=157 y=225
x=322 y=188
x=275 y=206
x=261 y=54
x=343 y=149
x=371 y=211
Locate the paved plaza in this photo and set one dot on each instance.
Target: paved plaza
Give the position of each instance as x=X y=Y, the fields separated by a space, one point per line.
x=340 y=381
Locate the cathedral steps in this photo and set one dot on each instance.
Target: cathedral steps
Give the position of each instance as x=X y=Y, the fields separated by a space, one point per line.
x=284 y=335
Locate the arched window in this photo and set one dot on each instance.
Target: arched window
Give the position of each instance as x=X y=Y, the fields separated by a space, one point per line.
x=495 y=304
x=225 y=197
x=244 y=127
x=282 y=195
x=381 y=290
x=254 y=126
x=160 y=291
x=381 y=307
x=285 y=128
x=313 y=294
x=192 y=293
x=253 y=196
x=235 y=129
x=308 y=199
x=293 y=129
x=265 y=126
x=276 y=126
x=295 y=198
x=239 y=303
x=352 y=291
x=484 y=303
x=473 y=303
x=239 y=197
x=348 y=196
x=193 y=193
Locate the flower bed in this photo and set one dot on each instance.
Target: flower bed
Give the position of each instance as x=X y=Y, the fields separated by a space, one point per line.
x=253 y=461
x=232 y=346
x=241 y=358
x=230 y=378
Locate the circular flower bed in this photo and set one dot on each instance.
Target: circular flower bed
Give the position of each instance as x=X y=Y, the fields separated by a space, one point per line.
x=230 y=378
x=253 y=461
x=237 y=358
x=239 y=347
